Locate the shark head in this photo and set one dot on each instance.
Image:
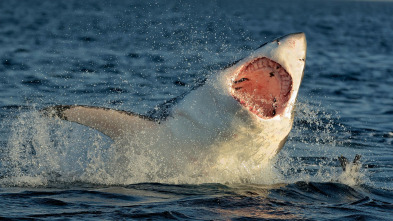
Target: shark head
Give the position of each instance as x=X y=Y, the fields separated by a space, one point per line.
x=267 y=82
x=263 y=88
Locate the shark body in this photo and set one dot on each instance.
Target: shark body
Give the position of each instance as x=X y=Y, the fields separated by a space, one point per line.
x=241 y=116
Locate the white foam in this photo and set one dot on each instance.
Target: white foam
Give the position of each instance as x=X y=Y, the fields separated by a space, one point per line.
x=41 y=151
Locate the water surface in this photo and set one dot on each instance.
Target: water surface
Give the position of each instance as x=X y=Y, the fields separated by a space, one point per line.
x=135 y=55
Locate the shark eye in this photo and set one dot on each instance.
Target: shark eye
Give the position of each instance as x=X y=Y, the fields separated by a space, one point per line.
x=241 y=80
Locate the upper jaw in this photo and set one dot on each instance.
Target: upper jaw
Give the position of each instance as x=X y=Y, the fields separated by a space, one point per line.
x=289 y=51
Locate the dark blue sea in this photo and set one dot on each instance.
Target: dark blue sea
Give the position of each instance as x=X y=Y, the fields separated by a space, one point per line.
x=135 y=55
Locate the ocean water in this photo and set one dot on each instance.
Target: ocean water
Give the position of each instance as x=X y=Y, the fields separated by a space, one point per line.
x=134 y=55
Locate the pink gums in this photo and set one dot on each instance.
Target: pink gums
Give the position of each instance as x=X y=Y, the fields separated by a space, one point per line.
x=264 y=87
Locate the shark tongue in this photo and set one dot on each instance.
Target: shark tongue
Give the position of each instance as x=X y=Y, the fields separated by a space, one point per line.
x=263 y=86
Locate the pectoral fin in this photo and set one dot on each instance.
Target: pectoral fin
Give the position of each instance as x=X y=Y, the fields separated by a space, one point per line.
x=113 y=123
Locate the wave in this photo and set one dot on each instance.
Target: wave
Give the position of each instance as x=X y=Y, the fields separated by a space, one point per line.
x=296 y=201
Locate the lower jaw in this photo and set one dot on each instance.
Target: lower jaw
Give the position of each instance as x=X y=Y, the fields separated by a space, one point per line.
x=263 y=113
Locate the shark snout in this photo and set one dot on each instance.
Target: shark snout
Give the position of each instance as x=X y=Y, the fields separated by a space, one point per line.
x=291 y=51
x=296 y=43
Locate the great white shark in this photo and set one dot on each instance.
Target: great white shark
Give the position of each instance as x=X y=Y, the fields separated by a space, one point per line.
x=240 y=117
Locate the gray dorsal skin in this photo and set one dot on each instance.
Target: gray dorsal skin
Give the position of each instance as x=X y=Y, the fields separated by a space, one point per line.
x=242 y=115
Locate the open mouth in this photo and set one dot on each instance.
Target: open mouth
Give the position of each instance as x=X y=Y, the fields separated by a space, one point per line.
x=263 y=86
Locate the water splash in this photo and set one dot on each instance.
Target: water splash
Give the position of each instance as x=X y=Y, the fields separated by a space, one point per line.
x=42 y=151
x=315 y=143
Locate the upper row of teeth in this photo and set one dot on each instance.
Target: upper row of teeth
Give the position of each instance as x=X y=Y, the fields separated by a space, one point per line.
x=285 y=85
x=256 y=65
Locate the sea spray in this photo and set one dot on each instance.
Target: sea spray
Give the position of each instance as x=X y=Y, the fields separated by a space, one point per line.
x=41 y=151
x=46 y=149
x=315 y=143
